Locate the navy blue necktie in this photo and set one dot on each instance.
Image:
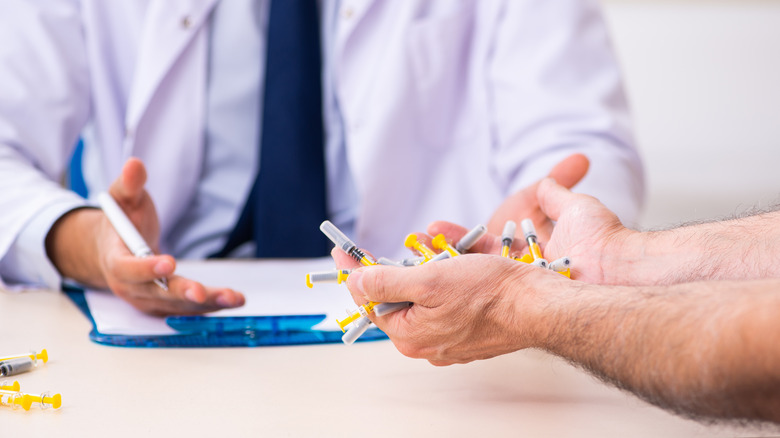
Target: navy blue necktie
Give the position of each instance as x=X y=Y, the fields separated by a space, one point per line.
x=287 y=202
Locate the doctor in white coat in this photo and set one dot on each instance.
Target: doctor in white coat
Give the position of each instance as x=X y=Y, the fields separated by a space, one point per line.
x=432 y=110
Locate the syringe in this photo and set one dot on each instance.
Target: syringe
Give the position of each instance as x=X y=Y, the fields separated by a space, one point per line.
x=358 y=328
x=468 y=240
x=25 y=401
x=562 y=266
x=342 y=241
x=362 y=311
x=18 y=365
x=440 y=242
x=507 y=237
x=336 y=276
x=43 y=355
x=533 y=245
x=412 y=243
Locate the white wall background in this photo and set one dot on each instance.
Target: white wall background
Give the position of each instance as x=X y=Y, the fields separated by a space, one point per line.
x=704 y=81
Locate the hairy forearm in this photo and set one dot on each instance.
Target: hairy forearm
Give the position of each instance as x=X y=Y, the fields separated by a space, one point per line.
x=737 y=249
x=702 y=349
x=71 y=246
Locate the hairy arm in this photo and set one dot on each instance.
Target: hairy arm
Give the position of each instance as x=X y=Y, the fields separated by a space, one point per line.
x=703 y=349
x=706 y=349
x=603 y=251
x=737 y=249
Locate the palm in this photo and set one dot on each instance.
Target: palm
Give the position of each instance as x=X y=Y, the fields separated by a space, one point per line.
x=584 y=232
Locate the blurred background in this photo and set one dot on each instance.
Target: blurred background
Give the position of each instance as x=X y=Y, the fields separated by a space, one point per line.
x=703 y=77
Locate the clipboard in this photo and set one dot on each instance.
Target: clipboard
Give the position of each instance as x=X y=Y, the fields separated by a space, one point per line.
x=225 y=331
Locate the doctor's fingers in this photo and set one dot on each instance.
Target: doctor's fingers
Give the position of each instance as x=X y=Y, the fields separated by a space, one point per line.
x=126 y=268
x=183 y=297
x=570 y=171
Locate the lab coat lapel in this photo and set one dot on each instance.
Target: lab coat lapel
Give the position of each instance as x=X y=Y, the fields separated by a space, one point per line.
x=350 y=14
x=168 y=27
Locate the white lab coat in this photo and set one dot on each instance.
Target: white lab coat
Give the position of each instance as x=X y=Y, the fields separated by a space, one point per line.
x=448 y=106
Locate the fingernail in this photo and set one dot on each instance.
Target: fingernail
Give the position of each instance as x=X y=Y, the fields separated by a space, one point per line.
x=192 y=295
x=223 y=301
x=163 y=267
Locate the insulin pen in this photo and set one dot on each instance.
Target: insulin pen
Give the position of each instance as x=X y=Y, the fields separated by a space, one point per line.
x=127 y=232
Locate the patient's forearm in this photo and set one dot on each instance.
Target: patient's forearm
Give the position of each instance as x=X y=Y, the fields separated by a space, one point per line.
x=738 y=249
x=703 y=349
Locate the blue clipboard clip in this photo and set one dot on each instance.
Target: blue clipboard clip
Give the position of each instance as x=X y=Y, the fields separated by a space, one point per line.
x=225 y=331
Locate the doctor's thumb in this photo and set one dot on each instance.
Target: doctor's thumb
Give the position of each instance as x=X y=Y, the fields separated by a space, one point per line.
x=129 y=186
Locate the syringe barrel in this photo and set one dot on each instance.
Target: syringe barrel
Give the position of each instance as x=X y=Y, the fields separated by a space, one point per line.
x=441 y=256
x=337 y=237
x=14 y=366
x=413 y=261
x=383 y=309
x=387 y=262
x=356 y=330
x=467 y=241
x=324 y=276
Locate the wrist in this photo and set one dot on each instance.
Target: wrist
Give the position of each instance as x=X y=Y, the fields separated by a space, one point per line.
x=72 y=246
x=622 y=257
x=539 y=305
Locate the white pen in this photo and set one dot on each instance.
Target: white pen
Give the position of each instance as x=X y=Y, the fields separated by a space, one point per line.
x=127 y=232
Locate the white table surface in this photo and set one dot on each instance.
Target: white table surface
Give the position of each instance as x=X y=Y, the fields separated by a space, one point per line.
x=367 y=389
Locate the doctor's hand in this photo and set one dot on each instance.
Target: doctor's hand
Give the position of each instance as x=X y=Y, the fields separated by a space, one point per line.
x=523 y=204
x=467 y=308
x=586 y=231
x=84 y=246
